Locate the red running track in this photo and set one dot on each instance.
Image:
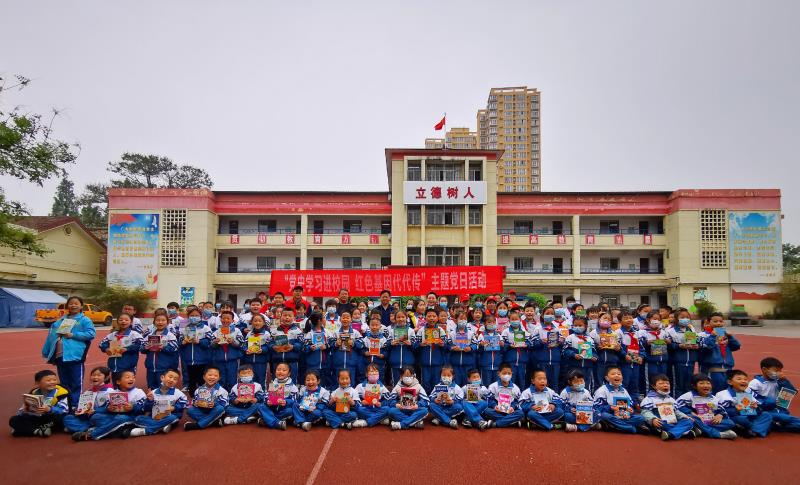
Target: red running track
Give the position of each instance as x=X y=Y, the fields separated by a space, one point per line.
x=438 y=455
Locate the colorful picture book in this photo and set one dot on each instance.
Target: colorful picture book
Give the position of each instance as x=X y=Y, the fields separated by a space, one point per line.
x=703 y=410
x=440 y=388
x=372 y=394
x=276 y=393
x=66 y=326
x=192 y=333
x=309 y=401
x=117 y=398
x=204 y=394
x=633 y=350
x=30 y=403
x=331 y=326
x=584 y=412
x=433 y=335
x=161 y=405
x=493 y=342
x=585 y=350
x=253 y=344
x=346 y=340
x=784 y=398
x=281 y=339
x=564 y=331
x=154 y=342
x=719 y=332
x=473 y=393
x=86 y=402
x=552 y=339
x=374 y=346
x=690 y=338
x=519 y=339
x=623 y=408
x=608 y=341
x=342 y=403
x=408 y=397
x=461 y=340
x=504 y=399
x=401 y=333
x=666 y=412
x=658 y=347
x=246 y=390
x=317 y=338
x=745 y=399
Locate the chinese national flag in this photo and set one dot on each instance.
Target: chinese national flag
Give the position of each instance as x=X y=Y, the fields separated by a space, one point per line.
x=438 y=126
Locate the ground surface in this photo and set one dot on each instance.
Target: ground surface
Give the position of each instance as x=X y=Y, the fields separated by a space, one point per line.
x=432 y=455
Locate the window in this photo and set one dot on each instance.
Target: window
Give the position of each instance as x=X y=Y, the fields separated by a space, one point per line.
x=265 y=263
x=444 y=256
x=475 y=172
x=233 y=227
x=414 y=215
x=713 y=238
x=439 y=215
x=475 y=214
x=609 y=227
x=351 y=226
x=609 y=264
x=414 y=256
x=475 y=256
x=351 y=262
x=523 y=264
x=440 y=171
x=173 y=238
x=385 y=261
x=386 y=227
x=267 y=225
x=523 y=227
x=414 y=171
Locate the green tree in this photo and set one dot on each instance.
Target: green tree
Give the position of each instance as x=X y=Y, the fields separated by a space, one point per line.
x=64 y=202
x=28 y=152
x=113 y=297
x=791 y=258
x=153 y=171
x=93 y=205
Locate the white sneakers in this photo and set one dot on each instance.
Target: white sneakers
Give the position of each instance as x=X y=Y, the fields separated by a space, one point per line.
x=360 y=423
x=396 y=426
x=571 y=428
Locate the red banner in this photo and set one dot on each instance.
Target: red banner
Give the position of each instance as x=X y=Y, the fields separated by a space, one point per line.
x=533 y=239
x=401 y=281
x=619 y=239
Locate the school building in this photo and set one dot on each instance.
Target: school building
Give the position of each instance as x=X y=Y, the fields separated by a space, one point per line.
x=443 y=208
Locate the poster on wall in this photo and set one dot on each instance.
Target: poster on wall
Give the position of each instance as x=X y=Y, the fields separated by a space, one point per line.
x=133 y=251
x=187 y=295
x=755 y=247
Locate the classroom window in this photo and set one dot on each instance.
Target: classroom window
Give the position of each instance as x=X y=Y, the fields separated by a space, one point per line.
x=414 y=256
x=475 y=256
x=475 y=214
x=264 y=263
x=440 y=215
x=609 y=264
x=351 y=226
x=441 y=172
x=267 y=225
x=414 y=215
x=414 y=171
x=444 y=256
x=475 y=172
x=351 y=262
x=523 y=264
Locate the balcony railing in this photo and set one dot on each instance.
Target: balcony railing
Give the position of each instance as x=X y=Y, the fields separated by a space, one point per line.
x=250 y=269
x=538 y=271
x=259 y=231
x=622 y=271
x=538 y=232
x=606 y=232
x=342 y=231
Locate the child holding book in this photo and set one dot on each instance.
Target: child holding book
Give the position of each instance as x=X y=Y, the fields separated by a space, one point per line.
x=281 y=394
x=408 y=402
x=579 y=413
x=160 y=347
x=90 y=400
x=227 y=346
x=317 y=349
x=346 y=347
x=661 y=412
x=431 y=349
x=195 y=344
x=462 y=347
x=548 y=342
x=287 y=342
x=503 y=408
x=163 y=408
x=210 y=400
x=579 y=352
x=475 y=401
x=716 y=351
x=683 y=350
x=44 y=407
x=541 y=405
x=374 y=398
x=775 y=393
x=655 y=346
x=256 y=353
x=375 y=346
x=490 y=349
x=529 y=316
x=243 y=398
x=124 y=404
x=122 y=346
x=702 y=406
x=634 y=354
x=446 y=398
x=341 y=408
x=311 y=400
x=615 y=406
x=743 y=408
x=402 y=345
x=608 y=343
x=517 y=342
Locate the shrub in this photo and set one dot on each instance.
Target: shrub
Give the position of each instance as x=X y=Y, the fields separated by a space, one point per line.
x=705 y=308
x=113 y=297
x=539 y=299
x=788 y=306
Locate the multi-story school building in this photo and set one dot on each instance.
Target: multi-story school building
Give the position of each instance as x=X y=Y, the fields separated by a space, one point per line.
x=443 y=208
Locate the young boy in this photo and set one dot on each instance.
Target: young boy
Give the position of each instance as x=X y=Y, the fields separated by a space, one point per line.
x=462 y=347
x=431 y=349
x=225 y=306
x=210 y=400
x=256 y=353
x=227 y=347
x=287 y=342
x=517 y=341
x=490 y=349
x=547 y=344
x=608 y=343
x=96 y=395
x=402 y=346
x=660 y=411
x=655 y=343
x=541 y=405
x=122 y=346
x=317 y=351
x=683 y=350
x=281 y=396
x=311 y=400
x=374 y=397
x=615 y=406
x=136 y=324
x=195 y=343
x=775 y=392
x=716 y=351
x=244 y=398
x=572 y=396
x=528 y=316
x=118 y=413
x=503 y=408
x=742 y=407
x=245 y=319
x=346 y=347
x=579 y=351
x=634 y=354
x=163 y=408
x=704 y=409
x=374 y=346
x=475 y=401
x=42 y=420
x=446 y=399
x=341 y=408
x=160 y=347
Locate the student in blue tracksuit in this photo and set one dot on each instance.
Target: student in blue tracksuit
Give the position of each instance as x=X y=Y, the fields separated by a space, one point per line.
x=342 y=405
x=659 y=405
x=462 y=347
x=635 y=353
x=374 y=347
x=256 y=353
x=287 y=342
x=47 y=415
x=475 y=401
x=281 y=396
x=168 y=402
x=311 y=400
x=317 y=350
x=702 y=406
x=209 y=403
x=608 y=343
x=66 y=349
x=374 y=397
x=244 y=398
x=614 y=405
x=227 y=346
x=751 y=421
x=503 y=407
x=446 y=399
x=122 y=346
x=111 y=419
x=409 y=402
x=431 y=353
x=160 y=347
x=547 y=345
x=769 y=388
x=517 y=344
x=574 y=393
x=195 y=343
x=579 y=352
x=100 y=380
x=682 y=354
x=716 y=351
x=345 y=347
x=541 y=405
x=491 y=347
x=643 y=315
x=656 y=347
x=402 y=346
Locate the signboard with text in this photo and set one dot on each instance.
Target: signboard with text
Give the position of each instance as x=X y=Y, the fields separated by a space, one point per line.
x=755 y=247
x=448 y=193
x=133 y=251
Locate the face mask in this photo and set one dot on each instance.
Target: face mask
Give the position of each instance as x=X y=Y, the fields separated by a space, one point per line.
x=246 y=379
x=408 y=380
x=218 y=306
x=506 y=378
x=447 y=380
x=331 y=310
x=409 y=306
x=773 y=376
x=578 y=330
x=502 y=313
x=559 y=312
x=548 y=318
x=604 y=324
x=194 y=320
x=461 y=325
x=593 y=322
x=643 y=315
x=172 y=312
x=581 y=313
x=514 y=324
x=655 y=324
x=684 y=322
x=578 y=387
x=206 y=314
x=478 y=304
x=372 y=378
x=476 y=382
x=491 y=328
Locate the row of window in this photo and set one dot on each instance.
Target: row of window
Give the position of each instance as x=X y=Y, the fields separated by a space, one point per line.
x=268 y=263
x=440 y=215
x=444 y=171
x=349 y=226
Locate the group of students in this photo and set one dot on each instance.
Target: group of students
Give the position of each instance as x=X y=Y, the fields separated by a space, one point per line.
x=449 y=361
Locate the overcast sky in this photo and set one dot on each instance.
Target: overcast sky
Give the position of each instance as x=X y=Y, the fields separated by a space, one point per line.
x=306 y=95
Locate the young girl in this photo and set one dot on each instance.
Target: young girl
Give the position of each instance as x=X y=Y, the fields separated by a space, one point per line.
x=518 y=342
x=409 y=402
x=703 y=407
x=502 y=316
x=122 y=346
x=475 y=401
x=575 y=393
x=287 y=342
x=317 y=351
x=418 y=317
x=160 y=347
x=163 y=408
x=634 y=354
x=446 y=399
x=462 y=347
x=491 y=348
x=608 y=343
x=256 y=353
x=683 y=351
x=100 y=384
x=227 y=346
x=374 y=397
x=503 y=408
x=375 y=347
x=655 y=345
x=281 y=396
x=341 y=408
x=311 y=400
x=346 y=347
x=210 y=400
x=431 y=348
x=401 y=346
x=195 y=346
x=580 y=353
x=547 y=343
x=111 y=417
x=716 y=354
x=244 y=398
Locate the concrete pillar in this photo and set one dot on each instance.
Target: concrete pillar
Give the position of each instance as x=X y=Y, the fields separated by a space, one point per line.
x=303 y=241
x=576 y=246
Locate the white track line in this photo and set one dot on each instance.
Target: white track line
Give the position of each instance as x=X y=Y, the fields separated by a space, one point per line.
x=321 y=459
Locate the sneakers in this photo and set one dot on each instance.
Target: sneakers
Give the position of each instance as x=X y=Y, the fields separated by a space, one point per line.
x=570 y=428
x=251 y=419
x=435 y=422
x=419 y=425
x=484 y=425
x=597 y=426
x=360 y=423
x=229 y=420
x=80 y=436
x=530 y=425
x=557 y=425
x=396 y=426
x=466 y=423
x=454 y=424
x=221 y=422
x=386 y=422
x=306 y=426
x=664 y=436
x=347 y=425
x=43 y=431
x=136 y=432
x=190 y=426
x=166 y=429
x=282 y=425
x=728 y=435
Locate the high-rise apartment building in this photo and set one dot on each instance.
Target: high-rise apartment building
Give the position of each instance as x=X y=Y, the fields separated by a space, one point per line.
x=455 y=139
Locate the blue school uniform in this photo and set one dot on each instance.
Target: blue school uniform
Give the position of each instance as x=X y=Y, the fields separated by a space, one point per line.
x=226 y=355
x=309 y=404
x=317 y=358
x=105 y=422
x=442 y=411
x=402 y=354
x=651 y=411
x=688 y=404
x=489 y=360
x=517 y=353
x=571 y=359
x=570 y=399
x=474 y=403
x=369 y=412
x=159 y=358
x=244 y=411
x=607 y=395
x=345 y=356
x=656 y=357
x=716 y=360
x=295 y=338
x=462 y=359
x=754 y=424
x=408 y=417
x=272 y=414
x=431 y=357
x=531 y=398
x=766 y=391
x=336 y=419
x=215 y=394
x=547 y=353
x=151 y=424
x=502 y=420
x=75 y=423
x=606 y=357
x=129 y=340
x=631 y=366
x=257 y=354
x=682 y=361
x=198 y=351
x=69 y=354
x=382 y=340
